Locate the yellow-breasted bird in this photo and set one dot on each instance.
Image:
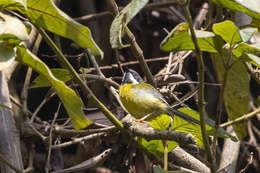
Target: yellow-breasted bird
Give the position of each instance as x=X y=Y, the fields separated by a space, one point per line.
x=141 y=99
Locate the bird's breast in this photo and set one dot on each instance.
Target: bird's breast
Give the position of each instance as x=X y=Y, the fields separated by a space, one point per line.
x=139 y=101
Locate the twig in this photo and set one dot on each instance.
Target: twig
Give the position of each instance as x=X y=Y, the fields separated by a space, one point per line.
x=77 y=140
x=242 y=118
x=148 y=7
x=24 y=94
x=47 y=97
x=102 y=79
x=47 y=166
x=134 y=47
x=88 y=163
x=59 y=130
x=181 y=157
x=9 y=164
x=201 y=105
x=250 y=161
x=30 y=167
x=37 y=132
x=86 y=90
x=95 y=64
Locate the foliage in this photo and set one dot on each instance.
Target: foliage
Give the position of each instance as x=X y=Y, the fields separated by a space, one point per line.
x=228 y=45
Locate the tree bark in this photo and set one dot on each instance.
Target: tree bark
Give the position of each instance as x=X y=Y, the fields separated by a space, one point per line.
x=9 y=135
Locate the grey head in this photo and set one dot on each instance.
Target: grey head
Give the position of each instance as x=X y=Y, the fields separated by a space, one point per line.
x=131 y=76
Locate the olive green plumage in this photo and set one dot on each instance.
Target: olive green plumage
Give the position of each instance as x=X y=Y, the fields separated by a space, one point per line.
x=141 y=99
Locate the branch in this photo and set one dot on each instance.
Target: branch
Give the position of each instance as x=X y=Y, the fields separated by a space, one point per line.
x=181 y=157
x=134 y=47
x=149 y=133
x=240 y=119
x=86 y=90
x=2 y=159
x=88 y=163
x=201 y=105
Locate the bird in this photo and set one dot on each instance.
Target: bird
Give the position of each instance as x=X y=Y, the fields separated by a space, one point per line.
x=143 y=101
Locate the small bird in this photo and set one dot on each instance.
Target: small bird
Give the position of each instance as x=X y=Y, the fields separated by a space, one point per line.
x=143 y=101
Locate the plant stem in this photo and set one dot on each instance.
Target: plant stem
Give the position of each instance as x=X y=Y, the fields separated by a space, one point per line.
x=86 y=90
x=135 y=48
x=201 y=106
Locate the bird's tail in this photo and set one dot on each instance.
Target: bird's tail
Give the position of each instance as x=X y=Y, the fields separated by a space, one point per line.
x=183 y=116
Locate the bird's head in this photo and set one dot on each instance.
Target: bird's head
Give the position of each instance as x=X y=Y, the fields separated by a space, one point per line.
x=131 y=76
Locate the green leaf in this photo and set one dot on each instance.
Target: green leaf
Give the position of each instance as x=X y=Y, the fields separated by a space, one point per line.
x=72 y=103
x=247 y=33
x=236 y=90
x=253 y=59
x=59 y=73
x=157 y=169
x=6 y=3
x=195 y=130
x=12 y=28
x=155 y=147
x=228 y=31
x=181 y=125
x=250 y=7
x=244 y=48
x=255 y=23
x=180 y=39
x=44 y=13
x=7 y=56
x=122 y=19
x=162 y=122
x=247 y=51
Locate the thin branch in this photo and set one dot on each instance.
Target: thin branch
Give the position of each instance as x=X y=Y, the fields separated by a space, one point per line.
x=149 y=133
x=242 y=118
x=2 y=159
x=148 y=7
x=250 y=161
x=47 y=166
x=134 y=47
x=92 y=162
x=59 y=130
x=78 y=140
x=47 y=97
x=86 y=90
x=201 y=105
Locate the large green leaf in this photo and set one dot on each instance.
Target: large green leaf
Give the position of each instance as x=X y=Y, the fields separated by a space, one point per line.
x=156 y=146
x=236 y=90
x=6 y=3
x=228 y=31
x=60 y=73
x=122 y=19
x=250 y=7
x=44 y=13
x=180 y=39
x=72 y=103
x=162 y=122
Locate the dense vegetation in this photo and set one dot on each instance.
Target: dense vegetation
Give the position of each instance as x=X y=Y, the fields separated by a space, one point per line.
x=60 y=71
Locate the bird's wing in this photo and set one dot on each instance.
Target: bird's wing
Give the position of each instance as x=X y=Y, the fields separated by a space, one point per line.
x=149 y=89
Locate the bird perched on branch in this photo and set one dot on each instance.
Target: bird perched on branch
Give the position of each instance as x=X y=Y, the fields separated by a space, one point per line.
x=143 y=101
